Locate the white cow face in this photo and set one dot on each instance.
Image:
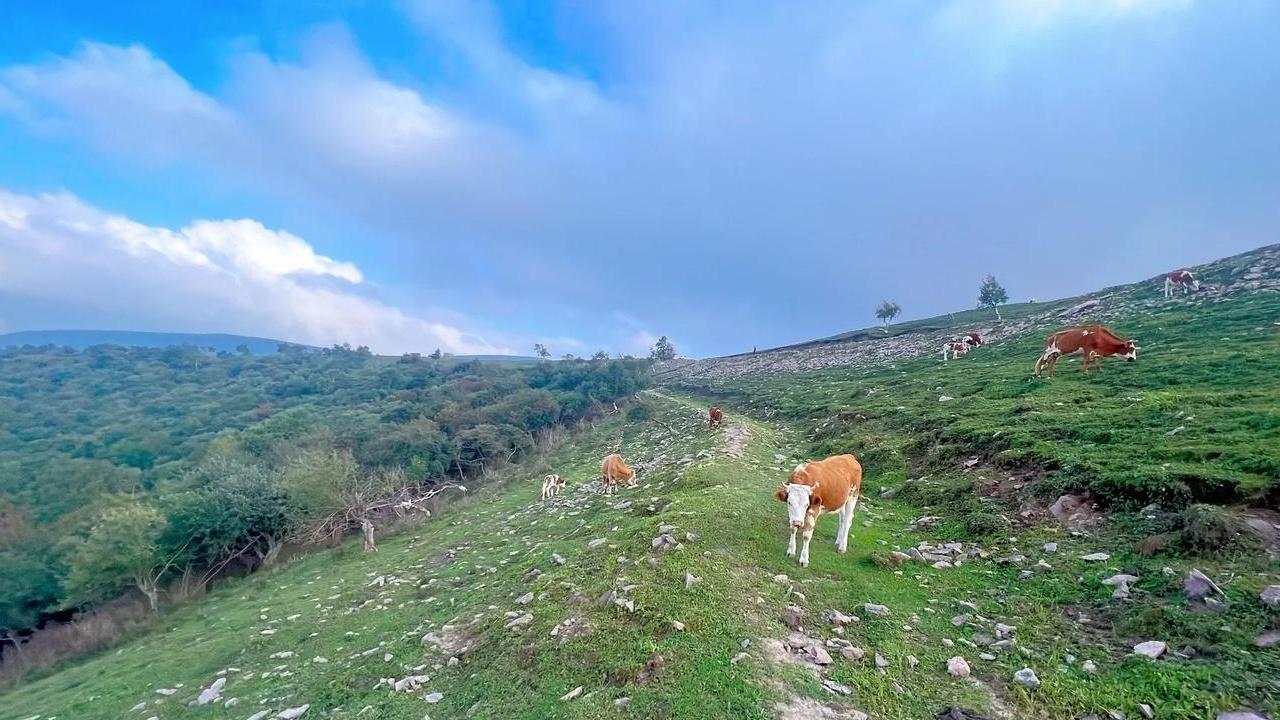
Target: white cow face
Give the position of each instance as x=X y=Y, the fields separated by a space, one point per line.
x=798 y=496
x=1130 y=351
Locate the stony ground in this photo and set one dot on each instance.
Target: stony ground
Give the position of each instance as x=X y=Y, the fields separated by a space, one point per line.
x=675 y=600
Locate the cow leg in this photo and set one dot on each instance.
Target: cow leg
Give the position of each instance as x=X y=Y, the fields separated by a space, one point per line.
x=791 y=546
x=846 y=521
x=1053 y=363
x=1168 y=288
x=810 y=523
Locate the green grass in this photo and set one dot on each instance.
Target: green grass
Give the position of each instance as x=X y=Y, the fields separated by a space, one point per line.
x=727 y=501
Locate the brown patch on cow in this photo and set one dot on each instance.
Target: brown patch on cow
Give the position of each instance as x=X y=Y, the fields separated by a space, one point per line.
x=803 y=708
x=1153 y=544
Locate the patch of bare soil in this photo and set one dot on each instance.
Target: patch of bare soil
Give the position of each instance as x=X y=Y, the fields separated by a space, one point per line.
x=735 y=441
x=803 y=708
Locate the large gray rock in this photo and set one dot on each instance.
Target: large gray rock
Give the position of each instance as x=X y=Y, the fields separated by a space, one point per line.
x=958 y=667
x=211 y=693
x=1197 y=585
x=877 y=610
x=1270 y=596
x=1151 y=648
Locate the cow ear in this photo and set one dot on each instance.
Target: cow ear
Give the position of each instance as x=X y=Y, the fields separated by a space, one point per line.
x=814 y=500
x=781 y=494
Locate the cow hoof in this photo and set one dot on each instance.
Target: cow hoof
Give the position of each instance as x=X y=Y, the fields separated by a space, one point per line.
x=791 y=554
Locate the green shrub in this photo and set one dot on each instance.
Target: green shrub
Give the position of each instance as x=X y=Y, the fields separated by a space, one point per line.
x=640 y=412
x=984 y=524
x=1208 y=529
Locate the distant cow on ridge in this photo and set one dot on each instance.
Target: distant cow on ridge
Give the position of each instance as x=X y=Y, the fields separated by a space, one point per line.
x=1095 y=341
x=1180 y=279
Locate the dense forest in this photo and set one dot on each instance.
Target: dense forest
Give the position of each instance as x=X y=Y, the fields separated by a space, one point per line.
x=129 y=468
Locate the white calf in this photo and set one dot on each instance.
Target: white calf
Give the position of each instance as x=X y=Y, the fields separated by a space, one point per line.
x=551 y=486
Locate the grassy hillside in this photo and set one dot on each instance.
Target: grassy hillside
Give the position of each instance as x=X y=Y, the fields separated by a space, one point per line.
x=326 y=630
x=81 y=339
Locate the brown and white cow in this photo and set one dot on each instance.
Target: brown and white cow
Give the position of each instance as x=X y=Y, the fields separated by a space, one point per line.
x=830 y=485
x=954 y=349
x=714 y=416
x=1094 y=341
x=614 y=470
x=1180 y=279
x=972 y=339
x=552 y=485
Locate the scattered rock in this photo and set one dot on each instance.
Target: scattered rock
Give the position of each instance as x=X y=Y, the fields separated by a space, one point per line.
x=836 y=687
x=525 y=599
x=1240 y=715
x=690 y=580
x=837 y=618
x=1096 y=557
x=571 y=694
x=558 y=559
x=409 y=684
x=1026 y=677
x=945 y=398
x=1089 y=666
x=1270 y=596
x=293 y=713
x=1271 y=638
x=622 y=702
x=792 y=616
x=955 y=713
x=739 y=658
x=597 y=543
x=853 y=652
x=211 y=693
x=259 y=715
x=958 y=667
x=877 y=610
x=434 y=697
x=1151 y=648
x=1051 y=547
x=881 y=663
x=1146 y=711
x=1005 y=631
x=1121 y=584
x=663 y=542
x=519 y=621
x=679 y=626
x=1198 y=585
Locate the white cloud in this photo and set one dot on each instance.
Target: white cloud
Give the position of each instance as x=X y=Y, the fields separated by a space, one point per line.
x=216 y=276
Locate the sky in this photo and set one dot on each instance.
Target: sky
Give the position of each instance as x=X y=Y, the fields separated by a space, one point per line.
x=479 y=177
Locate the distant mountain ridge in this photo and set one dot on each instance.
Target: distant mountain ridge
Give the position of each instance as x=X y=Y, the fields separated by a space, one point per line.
x=219 y=342
x=81 y=339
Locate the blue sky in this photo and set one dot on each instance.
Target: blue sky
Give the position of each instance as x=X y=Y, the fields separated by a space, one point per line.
x=589 y=175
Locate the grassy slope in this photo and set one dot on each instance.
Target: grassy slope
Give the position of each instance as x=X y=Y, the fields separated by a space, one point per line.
x=727 y=502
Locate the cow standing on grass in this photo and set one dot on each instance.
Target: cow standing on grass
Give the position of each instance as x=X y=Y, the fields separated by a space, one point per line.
x=613 y=471
x=954 y=349
x=1180 y=279
x=714 y=416
x=1094 y=341
x=552 y=485
x=830 y=485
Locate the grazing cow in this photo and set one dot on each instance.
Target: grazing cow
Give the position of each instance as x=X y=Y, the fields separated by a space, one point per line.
x=1094 y=341
x=614 y=470
x=972 y=339
x=955 y=349
x=714 y=416
x=831 y=485
x=552 y=485
x=1180 y=279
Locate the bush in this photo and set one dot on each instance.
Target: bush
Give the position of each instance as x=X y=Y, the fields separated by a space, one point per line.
x=1207 y=529
x=640 y=412
x=984 y=524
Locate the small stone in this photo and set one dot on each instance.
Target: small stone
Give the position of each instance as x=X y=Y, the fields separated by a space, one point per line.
x=960 y=620
x=679 y=626
x=434 y=697
x=558 y=559
x=877 y=610
x=1121 y=584
x=211 y=693
x=881 y=663
x=945 y=398
x=519 y=621
x=912 y=661
x=1240 y=715
x=1089 y=666
x=525 y=599
x=1004 y=631
x=1146 y=711
x=853 y=653
x=571 y=694
x=1151 y=648
x=622 y=702
x=690 y=580
x=1051 y=547
x=1271 y=638
x=781 y=579
x=597 y=543
x=836 y=687
x=820 y=655
x=1270 y=596
x=958 y=667
x=1026 y=677
x=739 y=658
x=293 y=713
x=837 y=618
x=1095 y=557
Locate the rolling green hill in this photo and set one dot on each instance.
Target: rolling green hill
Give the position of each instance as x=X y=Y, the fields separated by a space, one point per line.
x=1042 y=531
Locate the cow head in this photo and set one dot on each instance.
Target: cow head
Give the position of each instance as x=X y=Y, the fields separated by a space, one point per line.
x=1130 y=351
x=799 y=496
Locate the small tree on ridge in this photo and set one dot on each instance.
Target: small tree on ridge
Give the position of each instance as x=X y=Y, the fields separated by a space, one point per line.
x=888 y=310
x=992 y=295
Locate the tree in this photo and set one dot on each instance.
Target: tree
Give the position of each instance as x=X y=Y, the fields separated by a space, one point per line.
x=436 y=355
x=541 y=351
x=122 y=548
x=888 y=310
x=663 y=350
x=992 y=295
x=600 y=355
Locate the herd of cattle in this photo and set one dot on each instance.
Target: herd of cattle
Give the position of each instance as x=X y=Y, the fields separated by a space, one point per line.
x=835 y=483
